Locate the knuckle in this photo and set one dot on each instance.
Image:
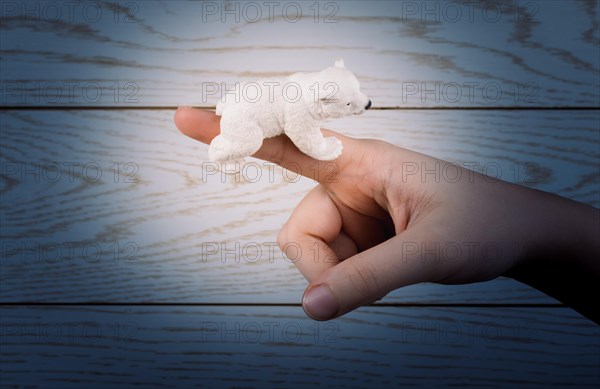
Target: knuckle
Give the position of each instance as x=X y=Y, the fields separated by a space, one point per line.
x=365 y=281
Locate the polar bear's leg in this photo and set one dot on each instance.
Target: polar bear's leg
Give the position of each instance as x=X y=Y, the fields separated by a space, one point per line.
x=221 y=149
x=224 y=148
x=230 y=147
x=227 y=154
x=312 y=143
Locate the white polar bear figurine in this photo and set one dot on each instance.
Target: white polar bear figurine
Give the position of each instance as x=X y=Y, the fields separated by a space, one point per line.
x=294 y=105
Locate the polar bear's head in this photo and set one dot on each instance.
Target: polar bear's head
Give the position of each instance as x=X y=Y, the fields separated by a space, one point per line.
x=338 y=93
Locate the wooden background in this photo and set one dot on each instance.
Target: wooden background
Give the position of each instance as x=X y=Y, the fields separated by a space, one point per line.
x=124 y=260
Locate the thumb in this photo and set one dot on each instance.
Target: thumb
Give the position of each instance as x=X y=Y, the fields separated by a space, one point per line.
x=364 y=278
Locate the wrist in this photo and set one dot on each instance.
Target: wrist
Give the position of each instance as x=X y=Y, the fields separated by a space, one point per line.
x=562 y=258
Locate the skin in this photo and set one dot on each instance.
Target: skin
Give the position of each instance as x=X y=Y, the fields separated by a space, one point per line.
x=378 y=224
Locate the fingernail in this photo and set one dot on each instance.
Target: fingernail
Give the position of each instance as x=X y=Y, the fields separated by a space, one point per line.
x=319 y=303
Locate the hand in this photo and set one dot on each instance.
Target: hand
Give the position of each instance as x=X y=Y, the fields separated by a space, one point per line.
x=382 y=222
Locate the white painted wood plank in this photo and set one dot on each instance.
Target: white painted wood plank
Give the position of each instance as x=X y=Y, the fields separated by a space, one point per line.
x=158 y=231
x=406 y=53
x=280 y=347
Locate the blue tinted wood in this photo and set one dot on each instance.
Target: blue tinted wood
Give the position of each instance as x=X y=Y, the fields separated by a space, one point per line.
x=280 y=347
x=405 y=53
x=117 y=205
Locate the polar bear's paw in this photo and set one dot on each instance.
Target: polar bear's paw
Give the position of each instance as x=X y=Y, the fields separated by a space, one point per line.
x=221 y=149
x=332 y=148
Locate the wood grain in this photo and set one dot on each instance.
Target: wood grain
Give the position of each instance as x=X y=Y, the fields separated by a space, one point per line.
x=279 y=347
x=435 y=53
x=117 y=206
x=163 y=229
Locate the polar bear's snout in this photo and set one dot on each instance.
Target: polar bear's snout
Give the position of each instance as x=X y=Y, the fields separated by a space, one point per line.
x=361 y=104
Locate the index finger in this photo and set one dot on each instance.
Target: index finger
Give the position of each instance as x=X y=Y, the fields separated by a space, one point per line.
x=204 y=125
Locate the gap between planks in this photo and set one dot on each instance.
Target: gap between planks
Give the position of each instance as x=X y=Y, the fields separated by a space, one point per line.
x=226 y=304
x=396 y=108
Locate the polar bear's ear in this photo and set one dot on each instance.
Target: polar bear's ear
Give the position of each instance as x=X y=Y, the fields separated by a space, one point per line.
x=339 y=63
